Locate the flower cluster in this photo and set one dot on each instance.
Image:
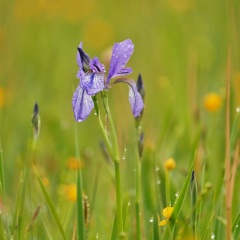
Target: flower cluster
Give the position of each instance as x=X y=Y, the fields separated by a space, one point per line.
x=93 y=80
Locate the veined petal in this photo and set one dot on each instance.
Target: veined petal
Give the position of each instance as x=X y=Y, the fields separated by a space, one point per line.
x=120 y=55
x=96 y=66
x=82 y=104
x=135 y=98
x=93 y=82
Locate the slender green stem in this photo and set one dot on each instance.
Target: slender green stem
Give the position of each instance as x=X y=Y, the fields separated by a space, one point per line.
x=167 y=188
x=118 y=197
x=137 y=203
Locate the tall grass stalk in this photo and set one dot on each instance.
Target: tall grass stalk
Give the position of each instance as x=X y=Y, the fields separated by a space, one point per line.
x=227 y=151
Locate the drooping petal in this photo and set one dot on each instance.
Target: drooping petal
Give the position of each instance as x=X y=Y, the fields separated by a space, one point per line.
x=135 y=98
x=93 y=82
x=82 y=104
x=120 y=55
x=96 y=66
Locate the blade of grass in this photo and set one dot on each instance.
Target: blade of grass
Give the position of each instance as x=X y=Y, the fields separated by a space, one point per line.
x=50 y=204
x=236 y=227
x=114 y=233
x=80 y=210
x=2 y=184
x=178 y=206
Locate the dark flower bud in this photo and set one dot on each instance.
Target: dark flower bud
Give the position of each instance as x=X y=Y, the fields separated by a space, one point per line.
x=36 y=120
x=140 y=86
x=84 y=60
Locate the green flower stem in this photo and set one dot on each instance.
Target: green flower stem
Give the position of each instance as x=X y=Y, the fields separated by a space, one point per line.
x=112 y=146
x=167 y=189
x=138 y=183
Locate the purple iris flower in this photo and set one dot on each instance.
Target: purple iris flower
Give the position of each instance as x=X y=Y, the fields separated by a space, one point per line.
x=93 y=80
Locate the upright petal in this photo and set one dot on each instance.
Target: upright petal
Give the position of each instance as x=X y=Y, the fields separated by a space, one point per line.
x=83 y=61
x=93 y=82
x=96 y=66
x=82 y=104
x=135 y=98
x=121 y=53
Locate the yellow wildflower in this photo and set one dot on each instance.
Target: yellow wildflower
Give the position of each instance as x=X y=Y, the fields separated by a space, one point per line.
x=73 y=163
x=170 y=164
x=167 y=212
x=212 y=102
x=71 y=192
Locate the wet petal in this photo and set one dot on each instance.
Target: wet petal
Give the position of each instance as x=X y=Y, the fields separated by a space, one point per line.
x=135 y=98
x=93 y=82
x=96 y=66
x=120 y=55
x=82 y=104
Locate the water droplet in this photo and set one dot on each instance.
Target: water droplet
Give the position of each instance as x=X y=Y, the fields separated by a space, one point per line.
x=129 y=203
x=158 y=182
x=237 y=226
x=157 y=169
x=177 y=195
x=238 y=109
x=213 y=236
x=95 y=113
x=97 y=236
x=151 y=220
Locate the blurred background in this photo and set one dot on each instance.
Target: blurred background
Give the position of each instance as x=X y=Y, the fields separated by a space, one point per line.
x=181 y=50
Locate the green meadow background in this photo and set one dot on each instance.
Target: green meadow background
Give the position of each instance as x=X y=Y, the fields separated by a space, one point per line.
x=181 y=50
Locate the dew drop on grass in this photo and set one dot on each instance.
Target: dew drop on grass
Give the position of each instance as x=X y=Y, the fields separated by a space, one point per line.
x=158 y=182
x=157 y=169
x=213 y=236
x=238 y=109
x=177 y=195
x=151 y=220
x=97 y=236
x=129 y=203
x=236 y=226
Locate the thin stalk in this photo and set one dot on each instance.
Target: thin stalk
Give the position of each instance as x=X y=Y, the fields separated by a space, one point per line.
x=167 y=188
x=112 y=145
x=137 y=201
x=227 y=156
x=118 y=198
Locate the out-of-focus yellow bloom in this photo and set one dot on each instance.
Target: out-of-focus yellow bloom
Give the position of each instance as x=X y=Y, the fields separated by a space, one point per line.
x=45 y=181
x=73 y=163
x=71 y=192
x=170 y=164
x=2 y=97
x=212 y=102
x=167 y=212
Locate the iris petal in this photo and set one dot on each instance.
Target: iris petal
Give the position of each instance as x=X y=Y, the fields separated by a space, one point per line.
x=120 y=55
x=96 y=66
x=135 y=98
x=82 y=104
x=93 y=82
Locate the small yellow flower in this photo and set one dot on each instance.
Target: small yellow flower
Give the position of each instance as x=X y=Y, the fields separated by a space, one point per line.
x=170 y=164
x=167 y=212
x=71 y=192
x=73 y=163
x=212 y=102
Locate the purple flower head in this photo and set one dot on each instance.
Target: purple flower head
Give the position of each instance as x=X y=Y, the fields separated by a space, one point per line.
x=92 y=79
